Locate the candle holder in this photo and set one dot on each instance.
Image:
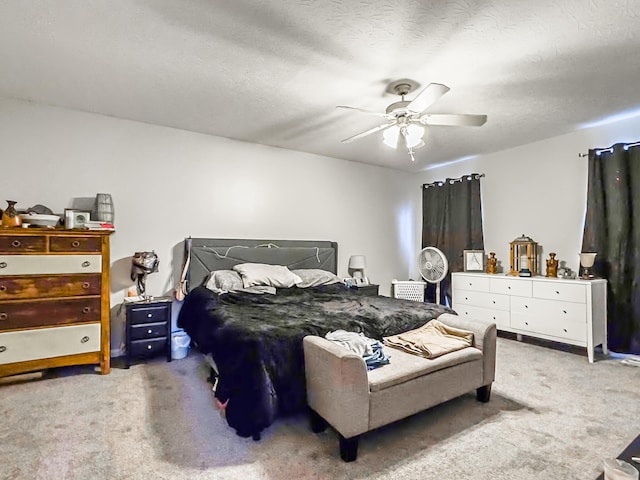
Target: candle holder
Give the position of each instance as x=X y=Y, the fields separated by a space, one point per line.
x=523 y=257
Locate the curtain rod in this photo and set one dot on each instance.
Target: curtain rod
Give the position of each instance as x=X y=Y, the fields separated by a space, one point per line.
x=626 y=146
x=439 y=183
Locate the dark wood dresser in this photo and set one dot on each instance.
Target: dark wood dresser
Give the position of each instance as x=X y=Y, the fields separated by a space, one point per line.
x=54 y=299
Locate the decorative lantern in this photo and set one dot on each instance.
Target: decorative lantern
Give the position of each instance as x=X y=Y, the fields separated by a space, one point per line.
x=523 y=257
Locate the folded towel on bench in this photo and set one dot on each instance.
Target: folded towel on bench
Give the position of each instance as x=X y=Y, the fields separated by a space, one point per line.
x=431 y=340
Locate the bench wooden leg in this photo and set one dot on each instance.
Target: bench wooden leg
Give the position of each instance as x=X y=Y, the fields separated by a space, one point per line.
x=318 y=424
x=483 y=394
x=349 y=448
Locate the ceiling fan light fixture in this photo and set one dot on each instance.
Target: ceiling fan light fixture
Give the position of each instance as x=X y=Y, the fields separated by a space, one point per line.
x=390 y=136
x=413 y=135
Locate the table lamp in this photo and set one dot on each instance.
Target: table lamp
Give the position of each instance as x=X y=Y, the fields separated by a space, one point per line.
x=357 y=264
x=586 y=262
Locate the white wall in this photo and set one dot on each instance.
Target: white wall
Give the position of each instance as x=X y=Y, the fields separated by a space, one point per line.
x=539 y=189
x=168 y=184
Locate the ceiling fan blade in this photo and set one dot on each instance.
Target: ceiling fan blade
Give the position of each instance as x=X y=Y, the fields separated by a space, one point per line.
x=427 y=96
x=453 y=120
x=378 y=114
x=368 y=132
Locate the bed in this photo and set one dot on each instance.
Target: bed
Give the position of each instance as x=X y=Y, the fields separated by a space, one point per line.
x=255 y=339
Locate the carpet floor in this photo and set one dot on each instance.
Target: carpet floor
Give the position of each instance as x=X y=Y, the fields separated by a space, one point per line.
x=552 y=415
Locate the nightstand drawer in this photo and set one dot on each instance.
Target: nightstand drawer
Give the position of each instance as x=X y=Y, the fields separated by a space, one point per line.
x=149 y=314
x=150 y=330
x=370 y=290
x=148 y=348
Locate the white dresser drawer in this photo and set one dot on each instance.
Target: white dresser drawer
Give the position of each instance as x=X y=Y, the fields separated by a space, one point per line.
x=475 y=283
x=499 y=317
x=25 y=345
x=481 y=299
x=511 y=286
x=49 y=264
x=556 y=312
x=548 y=327
x=568 y=292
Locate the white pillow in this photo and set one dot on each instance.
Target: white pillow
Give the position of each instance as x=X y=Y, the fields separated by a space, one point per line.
x=277 y=276
x=314 y=277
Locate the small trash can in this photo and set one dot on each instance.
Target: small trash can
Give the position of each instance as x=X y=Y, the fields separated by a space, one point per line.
x=180 y=342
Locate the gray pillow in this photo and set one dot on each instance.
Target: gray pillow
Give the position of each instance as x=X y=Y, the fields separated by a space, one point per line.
x=227 y=280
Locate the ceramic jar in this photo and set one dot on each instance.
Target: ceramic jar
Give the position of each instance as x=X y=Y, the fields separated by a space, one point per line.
x=10 y=217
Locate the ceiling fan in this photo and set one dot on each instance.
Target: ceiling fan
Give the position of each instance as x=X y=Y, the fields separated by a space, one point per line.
x=406 y=118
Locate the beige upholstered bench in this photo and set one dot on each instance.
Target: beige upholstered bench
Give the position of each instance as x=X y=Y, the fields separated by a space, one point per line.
x=342 y=393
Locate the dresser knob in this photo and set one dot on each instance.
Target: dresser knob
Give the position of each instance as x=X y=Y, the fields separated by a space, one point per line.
x=86 y=309
x=565 y=330
x=75 y=244
x=564 y=311
x=84 y=339
x=494 y=302
x=149 y=315
x=3 y=316
x=526 y=306
x=86 y=285
x=16 y=243
x=557 y=292
x=508 y=287
x=86 y=263
x=3 y=288
x=3 y=264
x=3 y=348
x=148 y=347
x=149 y=331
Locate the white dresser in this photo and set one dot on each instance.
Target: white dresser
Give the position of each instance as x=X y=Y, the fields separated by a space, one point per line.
x=567 y=311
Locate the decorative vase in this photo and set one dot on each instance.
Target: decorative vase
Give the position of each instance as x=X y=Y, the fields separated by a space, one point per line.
x=103 y=208
x=10 y=217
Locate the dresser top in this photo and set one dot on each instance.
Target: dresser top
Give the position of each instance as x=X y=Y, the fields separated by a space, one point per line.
x=40 y=231
x=537 y=278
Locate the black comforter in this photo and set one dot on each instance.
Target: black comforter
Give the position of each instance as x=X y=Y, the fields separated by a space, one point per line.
x=256 y=341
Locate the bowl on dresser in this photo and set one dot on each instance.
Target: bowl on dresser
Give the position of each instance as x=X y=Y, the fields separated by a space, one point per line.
x=40 y=220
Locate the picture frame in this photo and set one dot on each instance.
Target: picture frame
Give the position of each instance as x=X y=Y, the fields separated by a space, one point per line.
x=75 y=218
x=473 y=260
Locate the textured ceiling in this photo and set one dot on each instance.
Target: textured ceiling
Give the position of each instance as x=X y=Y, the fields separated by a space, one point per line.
x=272 y=72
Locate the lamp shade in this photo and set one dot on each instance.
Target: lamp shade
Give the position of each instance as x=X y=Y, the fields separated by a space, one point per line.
x=413 y=135
x=390 y=136
x=357 y=262
x=587 y=259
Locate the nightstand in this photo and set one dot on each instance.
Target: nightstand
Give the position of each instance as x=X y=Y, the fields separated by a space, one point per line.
x=370 y=290
x=148 y=329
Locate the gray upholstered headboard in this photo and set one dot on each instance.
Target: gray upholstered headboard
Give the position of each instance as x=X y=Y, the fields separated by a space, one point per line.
x=209 y=254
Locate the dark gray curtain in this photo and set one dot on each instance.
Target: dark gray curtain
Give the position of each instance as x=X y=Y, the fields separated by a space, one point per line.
x=612 y=230
x=452 y=222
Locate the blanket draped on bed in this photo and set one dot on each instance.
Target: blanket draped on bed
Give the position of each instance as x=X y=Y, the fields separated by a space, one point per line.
x=256 y=341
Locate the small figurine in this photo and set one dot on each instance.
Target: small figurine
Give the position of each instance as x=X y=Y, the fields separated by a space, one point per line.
x=492 y=263
x=552 y=265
